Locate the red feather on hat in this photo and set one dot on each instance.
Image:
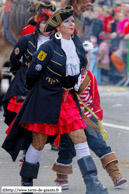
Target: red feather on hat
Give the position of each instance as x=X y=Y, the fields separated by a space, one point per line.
x=43 y=16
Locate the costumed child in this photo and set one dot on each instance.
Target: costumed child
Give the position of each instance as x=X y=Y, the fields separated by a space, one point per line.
x=89 y=96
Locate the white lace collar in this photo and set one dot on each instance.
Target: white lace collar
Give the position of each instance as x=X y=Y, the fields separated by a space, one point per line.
x=72 y=59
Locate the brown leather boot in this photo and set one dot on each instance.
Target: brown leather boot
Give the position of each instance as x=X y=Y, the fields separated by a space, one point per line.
x=62 y=175
x=109 y=162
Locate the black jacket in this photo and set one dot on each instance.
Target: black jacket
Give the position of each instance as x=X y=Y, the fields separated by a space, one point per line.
x=24 y=48
x=47 y=77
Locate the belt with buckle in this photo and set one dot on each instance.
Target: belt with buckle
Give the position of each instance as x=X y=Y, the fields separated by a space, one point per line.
x=66 y=92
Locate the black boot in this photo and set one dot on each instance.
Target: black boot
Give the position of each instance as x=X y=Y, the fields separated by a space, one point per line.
x=89 y=173
x=28 y=172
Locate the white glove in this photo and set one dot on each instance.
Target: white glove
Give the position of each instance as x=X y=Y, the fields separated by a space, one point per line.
x=77 y=85
x=87 y=45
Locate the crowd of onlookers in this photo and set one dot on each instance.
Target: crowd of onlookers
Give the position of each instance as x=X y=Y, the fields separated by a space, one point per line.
x=108 y=30
x=106 y=25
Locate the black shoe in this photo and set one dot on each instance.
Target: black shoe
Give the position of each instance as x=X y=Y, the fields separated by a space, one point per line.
x=27 y=182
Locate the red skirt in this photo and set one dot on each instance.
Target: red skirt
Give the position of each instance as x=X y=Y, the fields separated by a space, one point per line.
x=13 y=105
x=69 y=119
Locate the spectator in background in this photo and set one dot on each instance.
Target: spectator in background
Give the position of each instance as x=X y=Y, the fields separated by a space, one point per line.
x=103 y=2
x=99 y=12
x=115 y=39
x=115 y=20
x=92 y=24
x=104 y=60
x=87 y=18
x=93 y=60
x=108 y=18
x=117 y=56
x=123 y=19
x=125 y=9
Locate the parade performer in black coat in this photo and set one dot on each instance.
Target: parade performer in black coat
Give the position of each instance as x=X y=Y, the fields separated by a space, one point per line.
x=52 y=107
x=20 y=60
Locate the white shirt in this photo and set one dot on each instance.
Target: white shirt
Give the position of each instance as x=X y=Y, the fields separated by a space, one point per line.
x=72 y=59
x=41 y=40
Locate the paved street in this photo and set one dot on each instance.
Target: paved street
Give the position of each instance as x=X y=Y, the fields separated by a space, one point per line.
x=115 y=102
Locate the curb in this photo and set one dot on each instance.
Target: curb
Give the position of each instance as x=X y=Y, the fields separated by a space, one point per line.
x=109 y=89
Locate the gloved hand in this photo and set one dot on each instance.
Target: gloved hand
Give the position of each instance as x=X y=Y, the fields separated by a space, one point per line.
x=77 y=85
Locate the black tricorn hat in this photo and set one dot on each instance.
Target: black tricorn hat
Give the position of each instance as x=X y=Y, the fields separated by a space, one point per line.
x=58 y=17
x=42 y=5
x=43 y=15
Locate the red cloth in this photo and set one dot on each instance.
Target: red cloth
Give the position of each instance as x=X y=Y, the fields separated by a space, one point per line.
x=95 y=94
x=57 y=141
x=9 y=128
x=107 y=25
x=75 y=31
x=43 y=16
x=126 y=29
x=13 y=105
x=28 y=30
x=95 y=105
x=69 y=119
